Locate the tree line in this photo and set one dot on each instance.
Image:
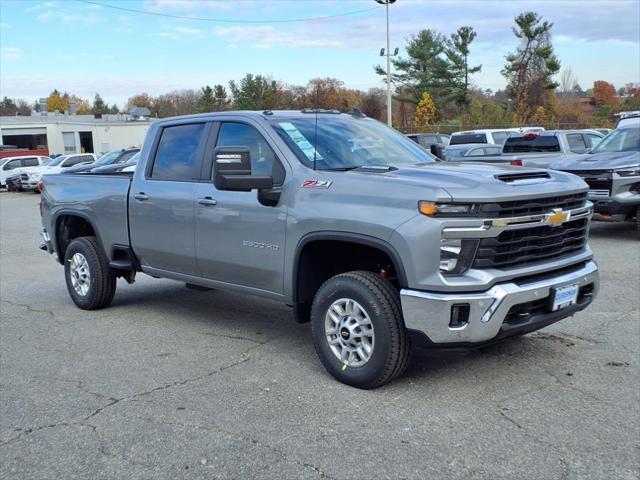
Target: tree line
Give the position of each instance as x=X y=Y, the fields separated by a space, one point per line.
x=432 y=83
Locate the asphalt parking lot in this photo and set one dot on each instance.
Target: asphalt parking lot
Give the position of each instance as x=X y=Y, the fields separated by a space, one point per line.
x=175 y=383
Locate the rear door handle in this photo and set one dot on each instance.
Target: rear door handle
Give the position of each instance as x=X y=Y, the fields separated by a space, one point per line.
x=141 y=196
x=207 y=201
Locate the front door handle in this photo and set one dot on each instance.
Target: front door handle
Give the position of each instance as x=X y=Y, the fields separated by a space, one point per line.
x=207 y=201
x=141 y=196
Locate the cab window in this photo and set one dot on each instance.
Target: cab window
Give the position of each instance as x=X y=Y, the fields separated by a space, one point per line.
x=177 y=152
x=263 y=158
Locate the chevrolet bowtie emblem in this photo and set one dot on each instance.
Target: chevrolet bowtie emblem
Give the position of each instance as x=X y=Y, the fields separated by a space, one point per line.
x=558 y=217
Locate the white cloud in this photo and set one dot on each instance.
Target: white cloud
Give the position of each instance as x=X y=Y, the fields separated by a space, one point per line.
x=40 y=6
x=266 y=36
x=4 y=25
x=182 y=34
x=11 y=53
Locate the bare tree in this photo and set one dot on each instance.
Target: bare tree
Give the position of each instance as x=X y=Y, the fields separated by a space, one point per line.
x=568 y=82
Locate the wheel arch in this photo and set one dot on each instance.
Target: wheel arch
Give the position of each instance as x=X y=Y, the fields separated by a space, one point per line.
x=76 y=224
x=304 y=287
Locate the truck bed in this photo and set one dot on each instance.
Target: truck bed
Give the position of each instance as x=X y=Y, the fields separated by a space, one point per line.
x=102 y=199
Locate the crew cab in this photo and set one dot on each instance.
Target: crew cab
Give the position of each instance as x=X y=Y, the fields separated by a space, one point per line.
x=344 y=219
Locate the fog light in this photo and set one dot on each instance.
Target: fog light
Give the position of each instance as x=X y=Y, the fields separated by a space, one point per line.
x=459 y=315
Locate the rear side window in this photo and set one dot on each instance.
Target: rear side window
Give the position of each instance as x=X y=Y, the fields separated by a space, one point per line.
x=531 y=143
x=30 y=162
x=576 y=143
x=468 y=138
x=177 y=152
x=500 y=137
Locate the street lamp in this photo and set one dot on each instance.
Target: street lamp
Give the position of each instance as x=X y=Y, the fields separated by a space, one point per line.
x=386 y=3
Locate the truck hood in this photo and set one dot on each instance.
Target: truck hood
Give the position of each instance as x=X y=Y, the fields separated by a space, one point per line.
x=599 y=161
x=475 y=182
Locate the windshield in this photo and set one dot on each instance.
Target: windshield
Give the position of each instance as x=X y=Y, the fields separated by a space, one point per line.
x=134 y=159
x=108 y=158
x=57 y=161
x=126 y=156
x=622 y=140
x=343 y=142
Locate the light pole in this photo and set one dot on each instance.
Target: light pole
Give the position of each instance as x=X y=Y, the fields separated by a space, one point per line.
x=386 y=3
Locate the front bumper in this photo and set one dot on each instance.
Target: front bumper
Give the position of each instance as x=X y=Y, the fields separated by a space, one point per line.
x=502 y=308
x=47 y=246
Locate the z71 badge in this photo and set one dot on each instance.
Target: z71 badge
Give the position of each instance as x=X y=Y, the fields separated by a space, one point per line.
x=316 y=183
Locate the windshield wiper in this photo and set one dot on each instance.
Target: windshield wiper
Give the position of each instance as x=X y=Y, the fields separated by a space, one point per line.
x=341 y=169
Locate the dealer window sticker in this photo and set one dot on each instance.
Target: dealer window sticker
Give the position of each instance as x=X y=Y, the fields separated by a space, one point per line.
x=301 y=141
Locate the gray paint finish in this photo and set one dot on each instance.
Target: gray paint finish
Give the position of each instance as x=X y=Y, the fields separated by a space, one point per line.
x=226 y=244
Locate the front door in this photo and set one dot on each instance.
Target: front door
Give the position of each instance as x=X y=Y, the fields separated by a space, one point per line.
x=238 y=239
x=161 y=205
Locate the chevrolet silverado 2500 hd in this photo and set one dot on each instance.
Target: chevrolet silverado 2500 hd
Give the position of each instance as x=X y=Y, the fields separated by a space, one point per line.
x=343 y=218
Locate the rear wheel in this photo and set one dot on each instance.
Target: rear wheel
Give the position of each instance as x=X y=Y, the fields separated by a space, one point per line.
x=90 y=281
x=358 y=329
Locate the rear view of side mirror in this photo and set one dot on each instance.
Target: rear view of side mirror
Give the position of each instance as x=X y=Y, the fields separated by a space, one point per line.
x=437 y=150
x=232 y=167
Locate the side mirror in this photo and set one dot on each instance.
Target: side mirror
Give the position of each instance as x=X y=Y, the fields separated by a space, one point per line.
x=438 y=151
x=232 y=167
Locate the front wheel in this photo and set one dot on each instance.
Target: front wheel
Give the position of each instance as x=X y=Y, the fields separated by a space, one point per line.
x=90 y=281
x=358 y=329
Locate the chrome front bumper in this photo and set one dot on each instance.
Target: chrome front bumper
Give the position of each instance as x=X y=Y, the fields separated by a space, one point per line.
x=430 y=313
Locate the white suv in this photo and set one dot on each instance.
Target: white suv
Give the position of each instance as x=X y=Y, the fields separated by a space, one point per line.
x=10 y=166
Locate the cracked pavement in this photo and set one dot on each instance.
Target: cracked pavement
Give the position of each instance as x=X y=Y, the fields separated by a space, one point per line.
x=175 y=383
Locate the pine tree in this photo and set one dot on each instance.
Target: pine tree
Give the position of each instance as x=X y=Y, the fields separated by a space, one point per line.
x=99 y=106
x=458 y=54
x=206 y=102
x=530 y=70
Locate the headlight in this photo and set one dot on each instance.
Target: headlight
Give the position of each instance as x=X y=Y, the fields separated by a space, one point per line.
x=447 y=209
x=631 y=172
x=456 y=255
x=34 y=176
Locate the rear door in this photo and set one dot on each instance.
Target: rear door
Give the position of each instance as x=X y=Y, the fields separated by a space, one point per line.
x=238 y=239
x=161 y=202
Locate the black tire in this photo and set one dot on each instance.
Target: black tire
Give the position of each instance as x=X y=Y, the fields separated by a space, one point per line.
x=102 y=284
x=638 y=220
x=391 y=348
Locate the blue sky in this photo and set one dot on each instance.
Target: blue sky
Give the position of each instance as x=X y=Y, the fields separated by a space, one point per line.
x=84 y=48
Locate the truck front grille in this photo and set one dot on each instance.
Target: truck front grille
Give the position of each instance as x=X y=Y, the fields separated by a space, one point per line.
x=532 y=206
x=529 y=245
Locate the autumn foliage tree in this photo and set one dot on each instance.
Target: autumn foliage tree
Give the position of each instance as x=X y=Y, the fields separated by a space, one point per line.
x=425 y=112
x=604 y=93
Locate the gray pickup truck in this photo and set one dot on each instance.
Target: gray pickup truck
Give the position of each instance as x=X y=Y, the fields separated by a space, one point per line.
x=612 y=171
x=342 y=218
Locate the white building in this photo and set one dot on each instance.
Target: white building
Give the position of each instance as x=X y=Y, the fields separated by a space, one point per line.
x=64 y=134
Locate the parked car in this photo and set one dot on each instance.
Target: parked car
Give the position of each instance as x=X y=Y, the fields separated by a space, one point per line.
x=603 y=131
x=630 y=118
x=373 y=246
x=11 y=166
x=30 y=177
x=128 y=166
x=427 y=139
x=468 y=152
x=495 y=136
x=540 y=149
x=110 y=158
x=612 y=171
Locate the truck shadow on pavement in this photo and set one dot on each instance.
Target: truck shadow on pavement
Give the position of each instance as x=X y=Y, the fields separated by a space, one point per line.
x=614 y=231
x=237 y=316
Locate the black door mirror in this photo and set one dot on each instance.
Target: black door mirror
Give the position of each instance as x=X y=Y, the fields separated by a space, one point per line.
x=438 y=151
x=232 y=166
